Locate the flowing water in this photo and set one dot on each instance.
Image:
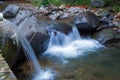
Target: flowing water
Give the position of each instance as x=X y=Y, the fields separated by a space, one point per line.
x=75 y=58
x=71 y=45
x=72 y=58
x=45 y=74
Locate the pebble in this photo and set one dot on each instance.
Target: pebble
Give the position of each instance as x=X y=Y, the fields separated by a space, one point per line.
x=74 y=10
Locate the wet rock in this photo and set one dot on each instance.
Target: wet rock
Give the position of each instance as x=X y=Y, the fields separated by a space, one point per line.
x=22 y=14
x=10 y=11
x=97 y=3
x=86 y=21
x=58 y=26
x=36 y=33
x=28 y=26
x=10 y=44
x=39 y=42
x=107 y=35
x=105 y=20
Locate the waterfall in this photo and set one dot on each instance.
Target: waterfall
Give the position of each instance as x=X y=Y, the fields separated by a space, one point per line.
x=41 y=74
x=69 y=46
x=60 y=39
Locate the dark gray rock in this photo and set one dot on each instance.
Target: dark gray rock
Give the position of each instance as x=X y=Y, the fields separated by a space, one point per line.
x=107 y=36
x=10 y=11
x=97 y=3
x=36 y=33
x=39 y=42
x=58 y=26
x=86 y=22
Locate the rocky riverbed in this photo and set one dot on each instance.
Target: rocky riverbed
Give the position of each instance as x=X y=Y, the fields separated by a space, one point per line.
x=102 y=24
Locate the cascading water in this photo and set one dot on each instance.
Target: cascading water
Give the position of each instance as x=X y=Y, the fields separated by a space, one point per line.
x=41 y=74
x=69 y=46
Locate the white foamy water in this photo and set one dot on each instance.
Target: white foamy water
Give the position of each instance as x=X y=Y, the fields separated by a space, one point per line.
x=45 y=75
x=70 y=46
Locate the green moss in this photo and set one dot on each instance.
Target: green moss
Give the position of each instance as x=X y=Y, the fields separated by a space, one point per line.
x=115 y=5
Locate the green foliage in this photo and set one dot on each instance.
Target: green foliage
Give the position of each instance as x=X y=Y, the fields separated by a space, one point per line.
x=47 y=2
x=115 y=4
x=79 y=2
x=116 y=8
x=59 y=2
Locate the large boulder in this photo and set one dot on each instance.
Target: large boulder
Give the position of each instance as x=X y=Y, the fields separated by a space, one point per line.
x=8 y=43
x=36 y=33
x=86 y=22
x=107 y=36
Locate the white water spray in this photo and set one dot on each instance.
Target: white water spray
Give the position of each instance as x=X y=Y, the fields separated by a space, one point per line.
x=71 y=45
